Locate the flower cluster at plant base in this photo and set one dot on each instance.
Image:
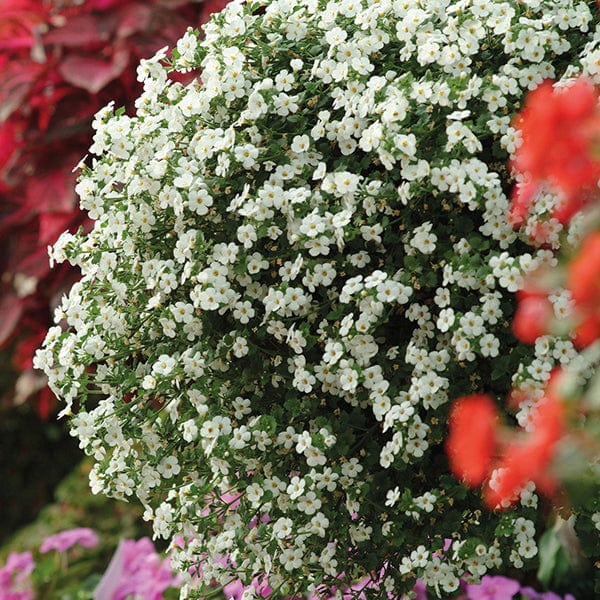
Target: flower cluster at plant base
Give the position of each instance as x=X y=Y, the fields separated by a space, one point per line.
x=295 y=264
x=135 y=571
x=14 y=576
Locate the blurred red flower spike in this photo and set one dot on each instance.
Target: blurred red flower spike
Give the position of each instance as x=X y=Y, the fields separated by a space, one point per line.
x=521 y=198
x=472 y=439
x=583 y=271
x=560 y=129
x=529 y=459
x=587 y=331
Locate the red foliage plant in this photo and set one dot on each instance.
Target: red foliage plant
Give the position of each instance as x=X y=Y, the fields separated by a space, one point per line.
x=60 y=62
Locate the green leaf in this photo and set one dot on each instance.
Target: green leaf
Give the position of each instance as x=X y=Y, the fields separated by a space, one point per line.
x=549 y=548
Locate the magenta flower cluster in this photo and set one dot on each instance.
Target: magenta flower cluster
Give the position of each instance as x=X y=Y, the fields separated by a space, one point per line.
x=504 y=588
x=15 y=583
x=61 y=542
x=490 y=588
x=136 y=569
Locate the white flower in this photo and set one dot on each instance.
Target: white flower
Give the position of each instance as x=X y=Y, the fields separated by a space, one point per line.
x=392 y=496
x=168 y=467
x=423 y=239
x=296 y=487
x=283 y=527
x=309 y=503
x=291 y=558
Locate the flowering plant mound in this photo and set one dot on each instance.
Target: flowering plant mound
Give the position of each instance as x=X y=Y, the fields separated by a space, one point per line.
x=295 y=264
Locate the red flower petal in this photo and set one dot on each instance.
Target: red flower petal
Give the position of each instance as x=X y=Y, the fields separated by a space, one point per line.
x=472 y=440
x=533 y=315
x=529 y=459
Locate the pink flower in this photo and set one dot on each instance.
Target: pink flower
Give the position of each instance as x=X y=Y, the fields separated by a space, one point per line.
x=421 y=590
x=135 y=570
x=531 y=594
x=14 y=577
x=493 y=588
x=84 y=536
x=235 y=589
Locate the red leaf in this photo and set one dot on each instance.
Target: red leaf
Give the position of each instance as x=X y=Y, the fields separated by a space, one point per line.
x=103 y=4
x=53 y=224
x=92 y=74
x=11 y=309
x=35 y=264
x=16 y=80
x=46 y=403
x=80 y=30
x=133 y=18
x=53 y=192
x=22 y=357
x=9 y=142
x=19 y=18
x=210 y=7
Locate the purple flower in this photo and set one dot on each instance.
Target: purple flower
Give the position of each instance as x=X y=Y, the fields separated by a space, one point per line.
x=135 y=570
x=493 y=588
x=421 y=590
x=84 y=536
x=259 y=585
x=14 y=577
x=234 y=590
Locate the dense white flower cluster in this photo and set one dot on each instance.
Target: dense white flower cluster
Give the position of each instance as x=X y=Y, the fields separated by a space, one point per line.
x=297 y=261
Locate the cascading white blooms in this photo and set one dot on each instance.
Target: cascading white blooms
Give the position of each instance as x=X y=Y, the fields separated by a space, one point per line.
x=297 y=261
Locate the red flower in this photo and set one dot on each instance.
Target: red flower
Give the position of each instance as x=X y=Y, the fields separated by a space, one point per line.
x=534 y=313
x=583 y=277
x=587 y=331
x=529 y=459
x=560 y=129
x=475 y=441
x=472 y=440
x=583 y=280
